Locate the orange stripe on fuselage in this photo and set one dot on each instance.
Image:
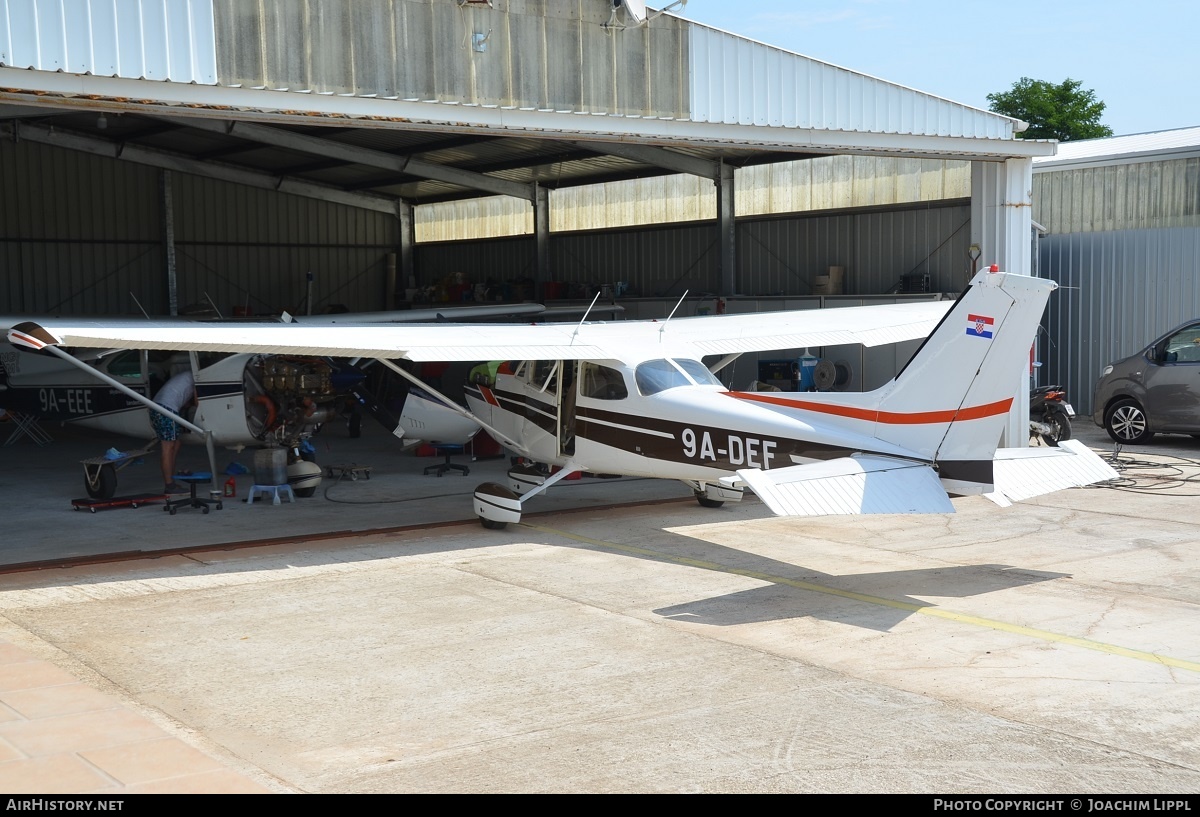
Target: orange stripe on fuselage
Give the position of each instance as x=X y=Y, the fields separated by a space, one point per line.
x=873 y=416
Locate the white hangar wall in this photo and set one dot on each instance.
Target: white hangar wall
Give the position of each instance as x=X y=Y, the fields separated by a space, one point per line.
x=822 y=183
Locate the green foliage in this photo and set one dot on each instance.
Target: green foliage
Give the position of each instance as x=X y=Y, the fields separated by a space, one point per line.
x=1063 y=112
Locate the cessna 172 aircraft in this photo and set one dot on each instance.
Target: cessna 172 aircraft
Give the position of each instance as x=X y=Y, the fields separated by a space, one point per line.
x=634 y=398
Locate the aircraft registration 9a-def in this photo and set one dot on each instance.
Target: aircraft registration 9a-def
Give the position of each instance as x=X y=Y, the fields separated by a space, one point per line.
x=634 y=398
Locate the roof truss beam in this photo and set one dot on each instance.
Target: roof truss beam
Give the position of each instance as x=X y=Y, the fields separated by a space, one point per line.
x=328 y=148
x=659 y=157
x=214 y=170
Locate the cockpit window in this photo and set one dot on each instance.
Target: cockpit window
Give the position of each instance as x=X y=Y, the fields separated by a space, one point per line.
x=127 y=364
x=545 y=375
x=601 y=382
x=654 y=376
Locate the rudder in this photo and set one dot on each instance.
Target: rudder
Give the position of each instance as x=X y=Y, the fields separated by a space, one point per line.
x=950 y=403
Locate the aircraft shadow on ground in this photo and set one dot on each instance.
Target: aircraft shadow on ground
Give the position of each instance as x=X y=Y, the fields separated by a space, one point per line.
x=876 y=601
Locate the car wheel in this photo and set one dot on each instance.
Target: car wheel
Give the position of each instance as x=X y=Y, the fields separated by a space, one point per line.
x=1126 y=423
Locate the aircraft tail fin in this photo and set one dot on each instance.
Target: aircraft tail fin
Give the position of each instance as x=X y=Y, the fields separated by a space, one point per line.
x=950 y=403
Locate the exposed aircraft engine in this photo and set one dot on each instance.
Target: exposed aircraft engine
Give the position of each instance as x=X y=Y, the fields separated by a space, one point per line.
x=287 y=396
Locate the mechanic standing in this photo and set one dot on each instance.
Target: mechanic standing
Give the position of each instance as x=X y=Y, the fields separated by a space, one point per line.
x=176 y=393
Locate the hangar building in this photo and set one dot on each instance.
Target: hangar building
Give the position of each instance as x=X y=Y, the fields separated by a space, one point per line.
x=157 y=154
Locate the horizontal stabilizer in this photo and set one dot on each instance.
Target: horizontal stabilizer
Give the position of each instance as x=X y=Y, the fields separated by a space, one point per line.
x=1022 y=473
x=850 y=485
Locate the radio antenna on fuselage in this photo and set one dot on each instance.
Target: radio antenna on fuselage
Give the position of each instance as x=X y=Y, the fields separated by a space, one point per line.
x=673 y=311
x=585 y=314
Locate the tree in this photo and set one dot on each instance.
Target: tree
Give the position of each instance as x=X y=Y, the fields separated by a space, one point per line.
x=1063 y=112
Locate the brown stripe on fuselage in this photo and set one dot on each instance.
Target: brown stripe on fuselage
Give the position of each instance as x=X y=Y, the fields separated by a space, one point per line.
x=723 y=448
x=521 y=405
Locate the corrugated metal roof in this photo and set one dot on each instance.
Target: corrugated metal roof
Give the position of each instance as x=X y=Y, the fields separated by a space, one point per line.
x=1138 y=147
x=737 y=101
x=736 y=80
x=138 y=39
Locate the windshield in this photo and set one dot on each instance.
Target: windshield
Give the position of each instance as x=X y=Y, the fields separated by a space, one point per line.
x=654 y=376
x=698 y=372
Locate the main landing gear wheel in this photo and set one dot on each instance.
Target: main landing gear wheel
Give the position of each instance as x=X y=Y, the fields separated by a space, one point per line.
x=492 y=524
x=105 y=485
x=705 y=502
x=1126 y=423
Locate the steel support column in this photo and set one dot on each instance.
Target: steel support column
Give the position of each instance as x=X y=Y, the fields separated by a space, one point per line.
x=168 y=220
x=727 y=230
x=406 y=273
x=541 y=230
x=1001 y=224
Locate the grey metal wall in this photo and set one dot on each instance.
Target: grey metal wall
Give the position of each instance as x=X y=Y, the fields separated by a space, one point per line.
x=255 y=248
x=877 y=247
x=79 y=233
x=1118 y=196
x=776 y=255
x=1120 y=289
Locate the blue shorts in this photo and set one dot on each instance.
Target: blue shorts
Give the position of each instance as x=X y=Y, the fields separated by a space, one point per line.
x=165 y=428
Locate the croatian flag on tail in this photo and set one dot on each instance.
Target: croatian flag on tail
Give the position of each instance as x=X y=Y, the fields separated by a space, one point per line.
x=979 y=326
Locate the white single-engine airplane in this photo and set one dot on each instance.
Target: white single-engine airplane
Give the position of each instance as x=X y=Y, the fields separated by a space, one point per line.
x=633 y=398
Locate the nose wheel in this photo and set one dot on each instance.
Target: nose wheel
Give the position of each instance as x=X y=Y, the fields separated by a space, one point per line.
x=496 y=505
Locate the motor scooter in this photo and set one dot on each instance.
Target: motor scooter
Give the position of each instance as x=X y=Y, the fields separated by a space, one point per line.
x=1050 y=414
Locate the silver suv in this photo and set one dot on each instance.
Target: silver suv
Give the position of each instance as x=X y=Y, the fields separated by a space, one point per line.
x=1156 y=390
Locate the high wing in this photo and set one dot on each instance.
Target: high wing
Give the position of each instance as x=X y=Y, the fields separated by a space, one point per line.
x=453 y=313
x=532 y=311
x=619 y=340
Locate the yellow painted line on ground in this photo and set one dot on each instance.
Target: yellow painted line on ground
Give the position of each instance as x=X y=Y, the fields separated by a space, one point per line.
x=925 y=610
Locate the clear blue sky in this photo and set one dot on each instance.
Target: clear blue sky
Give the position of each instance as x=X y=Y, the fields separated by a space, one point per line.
x=1141 y=59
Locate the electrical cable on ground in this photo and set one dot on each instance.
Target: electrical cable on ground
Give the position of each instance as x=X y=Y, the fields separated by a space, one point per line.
x=1166 y=473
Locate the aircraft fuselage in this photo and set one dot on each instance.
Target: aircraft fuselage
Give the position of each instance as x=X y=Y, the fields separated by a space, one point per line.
x=681 y=429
